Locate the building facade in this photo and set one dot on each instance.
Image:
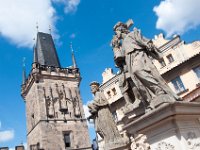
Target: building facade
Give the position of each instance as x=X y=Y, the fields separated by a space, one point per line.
x=54 y=109
x=179 y=66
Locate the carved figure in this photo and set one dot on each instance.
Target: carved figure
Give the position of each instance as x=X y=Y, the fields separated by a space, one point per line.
x=50 y=107
x=63 y=102
x=138 y=51
x=126 y=85
x=140 y=143
x=103 y=120
x=77 y=112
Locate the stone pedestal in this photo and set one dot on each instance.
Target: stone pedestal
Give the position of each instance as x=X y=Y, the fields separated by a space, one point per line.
x=174 y=126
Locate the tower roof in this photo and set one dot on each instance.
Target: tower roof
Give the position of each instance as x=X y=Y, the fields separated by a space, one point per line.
x=45 y=51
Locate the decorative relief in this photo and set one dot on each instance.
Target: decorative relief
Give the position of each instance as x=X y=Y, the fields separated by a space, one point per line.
x=77 y=112
x=192 y=141
x=165 y=146
x=50 y=104
x=59 y=101
x=76 y=104
x=62 y=99
x=139 y=143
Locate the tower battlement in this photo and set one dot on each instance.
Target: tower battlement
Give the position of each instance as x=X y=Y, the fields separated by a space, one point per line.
x=40 y=72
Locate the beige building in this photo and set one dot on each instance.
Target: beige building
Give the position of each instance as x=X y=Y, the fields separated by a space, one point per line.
x=180 y=67
x=54 y=109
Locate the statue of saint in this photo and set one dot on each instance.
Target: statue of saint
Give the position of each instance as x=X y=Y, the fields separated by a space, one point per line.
x=63 y=101
x=103 y=119
x=126 y=85
x=138 y=52
x=50 y=107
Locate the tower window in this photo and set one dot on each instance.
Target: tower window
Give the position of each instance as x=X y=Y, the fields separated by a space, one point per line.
x=109 y=94
x=114 y=114
x=162 y=63
x=67 y=139
x=178 y=84
x=35 y=147
x=170 y=58
x=114 y=91
x=197 y=71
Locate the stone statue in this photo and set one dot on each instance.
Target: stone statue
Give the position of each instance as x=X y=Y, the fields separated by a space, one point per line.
x=126 y=85
x=77 y=112
x=50 y=107
x=103 y=119
x=137 y=53
x=63 y=101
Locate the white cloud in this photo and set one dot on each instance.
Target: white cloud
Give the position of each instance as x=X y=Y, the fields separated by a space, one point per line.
x=177 y=16
x=18 y=19
x=86 y=110
x=6 y=135
x=72 y=36
x=70 y=5
x=87 y=114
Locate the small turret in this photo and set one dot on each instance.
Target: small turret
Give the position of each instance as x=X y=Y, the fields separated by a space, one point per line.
x=73 y=57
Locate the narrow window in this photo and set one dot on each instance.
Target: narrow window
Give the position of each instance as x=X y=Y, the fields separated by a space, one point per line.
x=67 y=140
x=19 y=148
x=35 y=147
x=197 y=71
x=178 y=84
x=114 y=91
x=109 y=94
x=162 y=63
x=170 y=58
x=114 y=114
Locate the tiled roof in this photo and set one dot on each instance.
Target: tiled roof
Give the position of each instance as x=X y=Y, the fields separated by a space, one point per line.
x=45 y=51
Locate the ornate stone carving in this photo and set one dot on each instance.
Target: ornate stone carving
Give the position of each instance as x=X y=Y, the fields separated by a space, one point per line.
x=50 y=107
x=192 y=141
x=77 y=112
x=139 y=143
x=76 y=104
x=49 y=101
x=62 y=99
x=165 y=146
x=133 y=54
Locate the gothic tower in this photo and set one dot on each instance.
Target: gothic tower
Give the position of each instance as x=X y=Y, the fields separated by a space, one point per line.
x=54 y=110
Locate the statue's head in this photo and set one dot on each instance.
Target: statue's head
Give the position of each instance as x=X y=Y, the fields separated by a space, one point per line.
x=119 y=26
x=123 y=28
x=94 y=87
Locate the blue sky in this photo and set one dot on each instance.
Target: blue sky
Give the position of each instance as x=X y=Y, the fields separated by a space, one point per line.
x=86 y=23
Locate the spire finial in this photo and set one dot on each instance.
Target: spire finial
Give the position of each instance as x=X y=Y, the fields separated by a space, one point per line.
x=37 y=26
x=49 y=29
x=24 y=62
x=73 y=57
x=71 y=47
x=24 y=70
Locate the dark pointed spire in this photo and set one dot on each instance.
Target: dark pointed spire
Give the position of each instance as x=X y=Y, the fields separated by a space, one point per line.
x=24 y=72
x=73 y=57
x=45 y=51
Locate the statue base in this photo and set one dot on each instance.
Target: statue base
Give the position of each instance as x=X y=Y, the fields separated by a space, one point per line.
x=172 y=126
